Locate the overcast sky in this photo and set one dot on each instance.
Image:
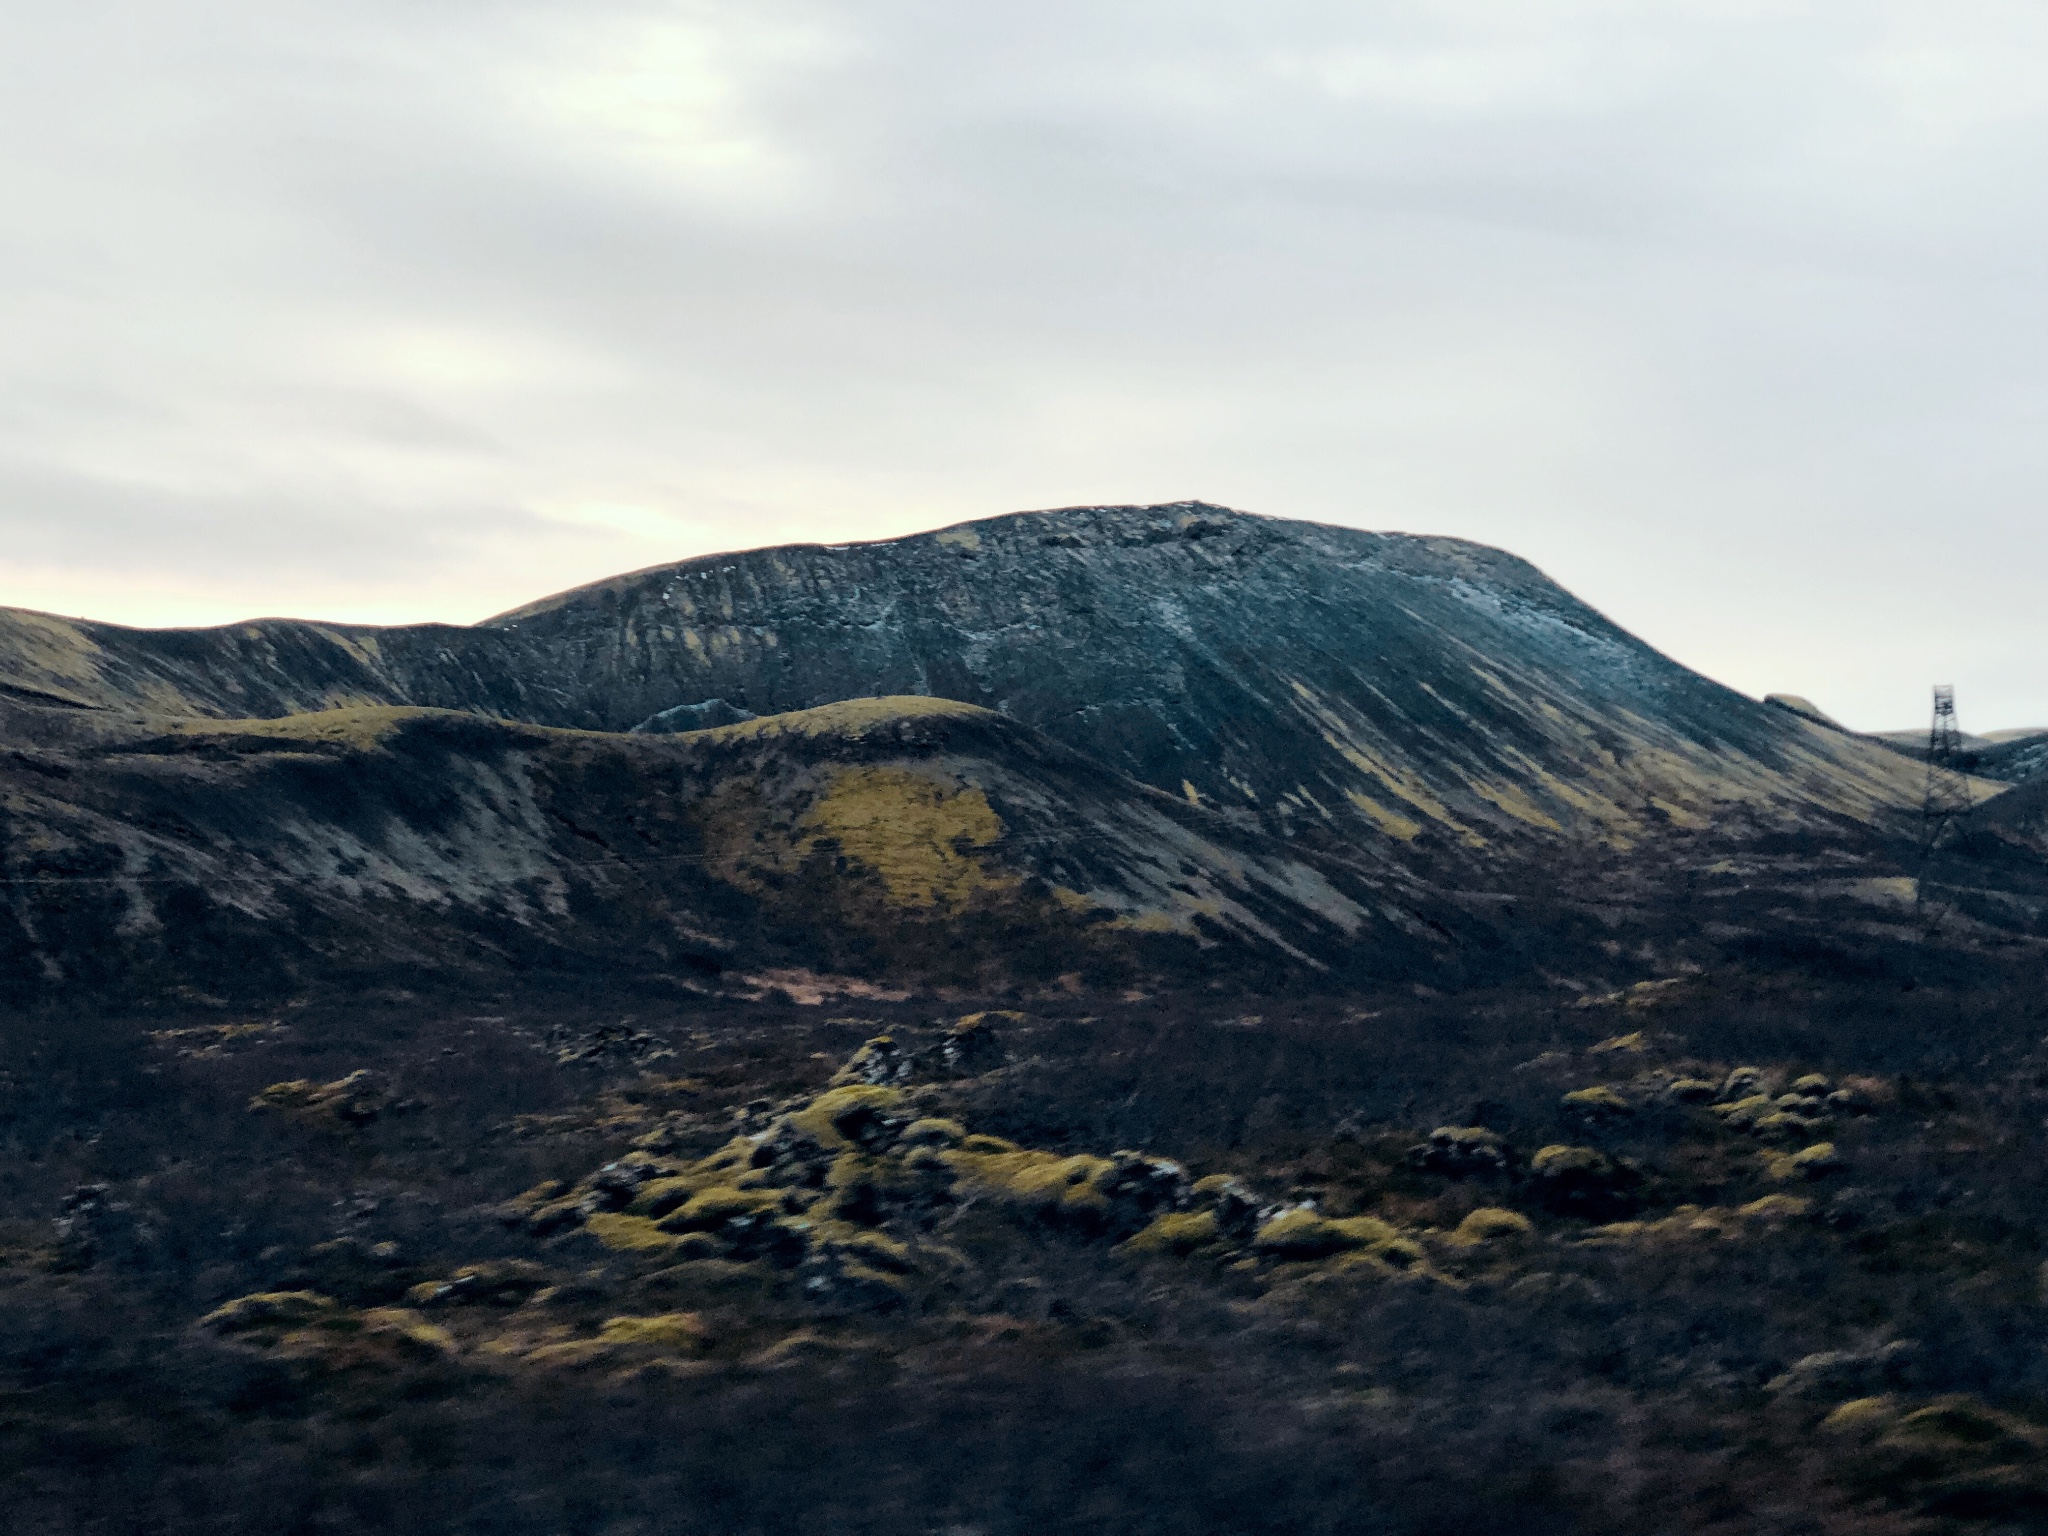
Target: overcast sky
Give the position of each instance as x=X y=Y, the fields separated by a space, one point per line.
x=1731 y=316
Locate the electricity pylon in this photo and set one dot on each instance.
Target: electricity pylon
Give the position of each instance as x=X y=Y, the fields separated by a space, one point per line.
x=1946 y=800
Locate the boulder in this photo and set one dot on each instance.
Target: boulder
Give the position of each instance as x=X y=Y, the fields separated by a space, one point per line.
x=1461 y=1151
x=1597 y=1104
x=493 y=1283
x=1582 y=1181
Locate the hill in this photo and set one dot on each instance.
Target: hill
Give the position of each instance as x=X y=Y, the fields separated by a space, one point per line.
x=887 y=836
x=1362 y=690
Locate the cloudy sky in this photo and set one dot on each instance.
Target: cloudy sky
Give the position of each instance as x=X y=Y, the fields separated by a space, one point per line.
x=1731 y=314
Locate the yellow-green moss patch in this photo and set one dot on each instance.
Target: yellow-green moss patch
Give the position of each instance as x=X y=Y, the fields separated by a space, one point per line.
x=628 y=1234
x=1177 y=1232
x=1490 y=1224
x=665 y=1330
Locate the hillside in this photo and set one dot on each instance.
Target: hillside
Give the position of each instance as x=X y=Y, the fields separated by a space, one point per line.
x=888 y=836
x=1362 y=690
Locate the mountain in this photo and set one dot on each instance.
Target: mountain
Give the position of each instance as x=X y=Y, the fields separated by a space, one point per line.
x=1377 y=694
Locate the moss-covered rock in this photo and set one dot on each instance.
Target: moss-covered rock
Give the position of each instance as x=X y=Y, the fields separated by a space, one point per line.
x=1177 y=1232
x=656 y=1198
x=1786 y=1125
x=1777 y=1208
x=1861 y=1417
x=1301 y=1234
x=629 y=1234
x=1490 y=1224
x=1956 y=1456
x=1598 y=1102
x=270 y=1309
x=863 y=1116
x=1239 y=1208
x=684 y=1331
x=881 y=1061
x=1815 y=1162
x=1743 y=1113
x=356 y=1099
x=1743 y=1083
x=1041 y=1184
x=837 y=1279
x=872 y=1190
x=409 y=1332
x=1583 y=1181
x=1461 y=1151
x=494 y=1282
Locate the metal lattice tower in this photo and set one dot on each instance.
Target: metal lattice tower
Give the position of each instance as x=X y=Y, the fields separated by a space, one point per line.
x=1947 y=798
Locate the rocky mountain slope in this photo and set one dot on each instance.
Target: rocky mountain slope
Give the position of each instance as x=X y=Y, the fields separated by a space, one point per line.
x=1367 y=691
x=886 y=836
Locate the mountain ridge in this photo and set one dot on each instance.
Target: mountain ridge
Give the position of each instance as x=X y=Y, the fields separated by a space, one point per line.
x=1315 y=680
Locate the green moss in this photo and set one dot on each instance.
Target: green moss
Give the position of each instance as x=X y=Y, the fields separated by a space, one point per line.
x=1777 y=1208
x=833 y=1119
x=698 y=1245
x=1959 y=1421
x=730 y=1158
x=628 y=1234
x=1817 y=1161
x=934 y=1133
x=271 y=1309
x=1616 y=1233
x=1042 y=1183
x=865 y=1189
x=666 y=1330
x=1401 y=1253
x=1786 y=1125
x=1598 y=1100
x=1861 y=1417
x=1557 y=1161
x=569 y=1356
x=498 y=1282
x=1207 y=1191
x=412 y=1333
x=882 y=1279
x=987 y=1144
x=296 y=1094
x=1745 y=1112
x=539 y=1195
x=1068 y=1184
x=660 y=1196
x=1177 y=1232
x=711 y=1208
x=877 y=1251
x=1490 y=1224
x=1302 y=1234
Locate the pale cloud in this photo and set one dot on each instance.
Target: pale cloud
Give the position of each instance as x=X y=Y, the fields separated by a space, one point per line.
x=1730 y=315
